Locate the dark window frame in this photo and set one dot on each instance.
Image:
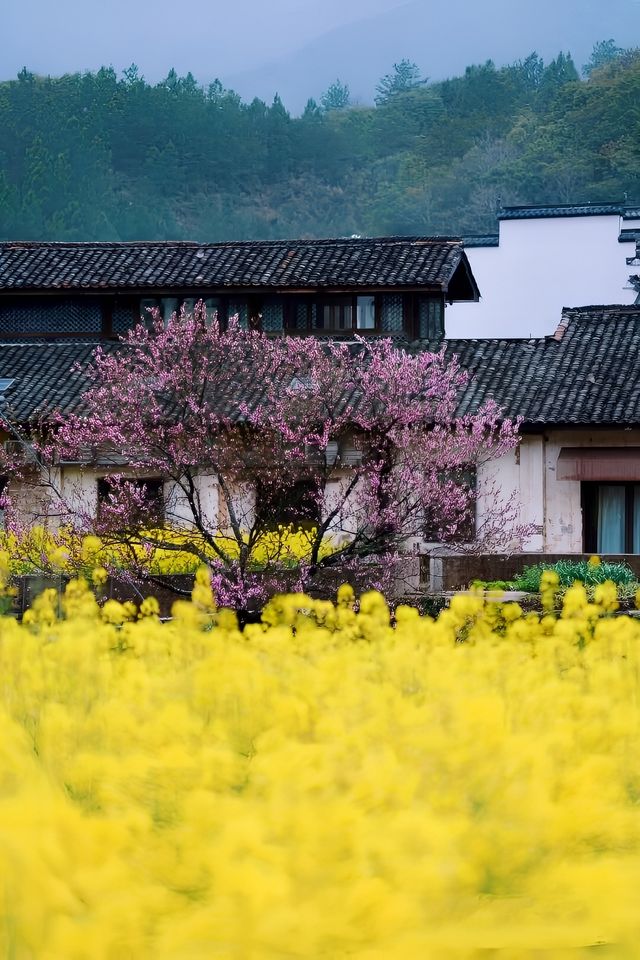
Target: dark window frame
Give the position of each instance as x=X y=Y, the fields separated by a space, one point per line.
x=350 y=301
x=155 y=486
x=291 y=304
x=275 y=508
x=589 y=493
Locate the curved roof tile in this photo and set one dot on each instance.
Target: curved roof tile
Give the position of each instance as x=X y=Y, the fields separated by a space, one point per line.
x=587 y=374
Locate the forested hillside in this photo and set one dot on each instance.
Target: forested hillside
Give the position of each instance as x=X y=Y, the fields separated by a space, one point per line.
x=97 y=157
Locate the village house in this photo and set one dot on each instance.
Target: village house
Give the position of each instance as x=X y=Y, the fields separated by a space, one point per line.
x=57 y=301
x=576 y=471
x=393 y=285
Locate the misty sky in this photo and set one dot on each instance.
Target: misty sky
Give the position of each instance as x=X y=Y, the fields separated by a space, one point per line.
x=208 y=37
x=298 y=47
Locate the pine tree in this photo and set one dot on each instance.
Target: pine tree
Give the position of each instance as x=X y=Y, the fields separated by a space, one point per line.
x=604 y=52
x=337 y=97
x=405 y=76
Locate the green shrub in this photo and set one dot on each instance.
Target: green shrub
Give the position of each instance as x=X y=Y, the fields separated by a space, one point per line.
x=571 y=570
x=493 y=584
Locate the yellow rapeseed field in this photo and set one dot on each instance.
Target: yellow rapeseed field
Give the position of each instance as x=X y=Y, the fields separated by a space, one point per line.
x=41 y=549
x=323 y=785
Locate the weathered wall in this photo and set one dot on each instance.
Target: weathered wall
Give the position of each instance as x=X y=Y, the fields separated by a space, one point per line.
x=563 y=529
x=80 y=490
x=550 y=506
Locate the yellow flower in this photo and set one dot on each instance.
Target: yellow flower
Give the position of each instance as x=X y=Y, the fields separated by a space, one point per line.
x=605 y=595
x=117 y=613
x=149 y=608
x=328 y=782
x=99 y=576
x=59 y=558
x=91 y=547
x=549 y=585
x=346 y=595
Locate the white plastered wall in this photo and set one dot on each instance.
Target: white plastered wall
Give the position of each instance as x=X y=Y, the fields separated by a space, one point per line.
x=563 y=504
x=177 y=507
x=510 y=494
x=33 y=499
x=551 y=508
x=540 y=266
x=79 y=488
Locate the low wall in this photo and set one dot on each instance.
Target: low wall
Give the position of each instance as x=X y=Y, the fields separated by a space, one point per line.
x=445 y=573
x=325 y=585
x=29 y=587
x=437 y=574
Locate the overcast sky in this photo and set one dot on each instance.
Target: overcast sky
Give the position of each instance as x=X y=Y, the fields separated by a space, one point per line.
x=298 y=47
x=209 y=37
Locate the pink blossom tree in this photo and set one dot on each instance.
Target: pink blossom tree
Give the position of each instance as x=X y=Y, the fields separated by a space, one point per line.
x=358 y=443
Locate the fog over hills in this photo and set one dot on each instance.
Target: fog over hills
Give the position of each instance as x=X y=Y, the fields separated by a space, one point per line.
x=210 y=38
x=442 y=39
x=298 y=47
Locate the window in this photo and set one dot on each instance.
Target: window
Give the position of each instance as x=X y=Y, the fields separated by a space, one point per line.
x=297 y=505
x=335 y=315
x=430 y=318
x=366 y=313
x=152 y=489
x=167 y=306
x=272 y=316
x=392 y=313
x=212 y=305
x=239 y=309
x=466 y=520
x=51 y=316
x=146 y=306
x=345 y=314
x=611 y=516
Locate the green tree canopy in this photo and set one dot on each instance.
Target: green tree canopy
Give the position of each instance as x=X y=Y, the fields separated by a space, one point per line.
x=105 y=156
x=336 y=97
x=603 y=53
x=405 y=76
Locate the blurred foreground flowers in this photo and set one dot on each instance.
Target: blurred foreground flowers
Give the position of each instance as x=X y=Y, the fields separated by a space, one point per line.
x=324 y=784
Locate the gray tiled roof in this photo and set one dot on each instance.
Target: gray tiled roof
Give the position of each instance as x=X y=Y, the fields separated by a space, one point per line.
x=44 y=375
x=278 y=264
x=537 y=211
x=587 y=373
x=485 y=240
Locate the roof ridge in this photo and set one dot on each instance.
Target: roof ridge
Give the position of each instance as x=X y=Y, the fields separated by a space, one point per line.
x=197 y=244
x=618 y=307
x=517 y=340
x=97 y=342
x=593 y=313
x=348 y=262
